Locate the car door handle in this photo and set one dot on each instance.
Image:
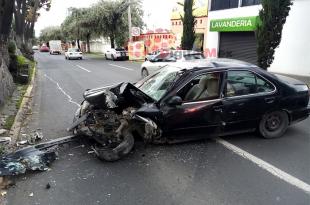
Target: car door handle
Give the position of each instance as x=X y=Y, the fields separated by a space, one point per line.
x=270 y=100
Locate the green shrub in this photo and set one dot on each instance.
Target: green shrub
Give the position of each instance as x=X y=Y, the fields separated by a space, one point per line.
x=12 y=48
x=21 y=61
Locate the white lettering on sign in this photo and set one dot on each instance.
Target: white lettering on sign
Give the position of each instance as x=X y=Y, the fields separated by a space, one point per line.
x=232 y=23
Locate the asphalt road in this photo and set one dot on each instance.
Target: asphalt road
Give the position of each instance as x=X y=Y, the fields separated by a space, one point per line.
x=242 y=169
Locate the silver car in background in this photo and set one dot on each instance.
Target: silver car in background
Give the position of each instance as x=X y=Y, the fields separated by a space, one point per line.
x=168 y=57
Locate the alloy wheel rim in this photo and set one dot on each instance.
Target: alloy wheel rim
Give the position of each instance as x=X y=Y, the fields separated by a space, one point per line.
x=273 y=122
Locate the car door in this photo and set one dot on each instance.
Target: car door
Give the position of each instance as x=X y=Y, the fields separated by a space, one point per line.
x=248 y=96
x=197 y=117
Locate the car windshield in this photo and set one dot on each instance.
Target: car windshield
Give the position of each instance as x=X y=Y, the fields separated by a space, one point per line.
x=157 y=86
x=74 y=50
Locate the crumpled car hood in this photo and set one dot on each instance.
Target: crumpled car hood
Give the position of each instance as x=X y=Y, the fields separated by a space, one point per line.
x=121 y=95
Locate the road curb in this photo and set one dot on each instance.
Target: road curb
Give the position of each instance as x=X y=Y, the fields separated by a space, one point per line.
x=19 y=118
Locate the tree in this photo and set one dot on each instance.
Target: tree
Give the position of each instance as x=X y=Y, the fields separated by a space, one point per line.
x=51 y=33
x=136 y=19
x=6 y=13
x=269 y=32
x=6 y=82
x=80 y=25
x=109 y=15
x=25 y=15
x=189 y=23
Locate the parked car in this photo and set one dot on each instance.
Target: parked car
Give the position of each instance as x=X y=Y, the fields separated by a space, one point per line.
x=116 y=54
x=44 y=48
x=35 y=48
x=73 y=53
x=189 y=101
x=154 y=54
x=167 y=57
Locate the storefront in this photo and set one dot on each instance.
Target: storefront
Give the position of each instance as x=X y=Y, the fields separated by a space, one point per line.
x=236 y=38
x=231 y=33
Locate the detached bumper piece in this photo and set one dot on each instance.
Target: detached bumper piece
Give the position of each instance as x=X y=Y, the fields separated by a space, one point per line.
x=33 y=158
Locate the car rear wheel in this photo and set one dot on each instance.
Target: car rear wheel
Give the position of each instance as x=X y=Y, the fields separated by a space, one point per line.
x=106 y=57
x=274 y=124
x=144 y=73
x=113 y=59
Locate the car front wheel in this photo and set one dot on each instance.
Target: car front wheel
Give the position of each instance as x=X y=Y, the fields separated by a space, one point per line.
x=274 y=124
x=144 y=73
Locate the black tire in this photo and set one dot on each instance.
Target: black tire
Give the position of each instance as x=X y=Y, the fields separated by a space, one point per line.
x=118 y=152
x=112 y=56
x=105 y=56
x=274 y=124
x=144 y=73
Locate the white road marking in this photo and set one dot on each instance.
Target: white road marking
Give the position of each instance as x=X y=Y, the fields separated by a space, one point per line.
x=62 y=90
x=83 y=68
x=121 y=67
x=266 y=166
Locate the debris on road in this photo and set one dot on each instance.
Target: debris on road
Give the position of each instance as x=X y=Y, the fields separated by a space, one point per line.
x=3 y=193
x=32 y=158
x=5 y=140
x=48 y=186
x=31 y=194
x=30 y=139
x=3 y=131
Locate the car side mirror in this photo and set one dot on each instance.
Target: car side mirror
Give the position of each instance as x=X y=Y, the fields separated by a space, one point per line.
x=175 y=101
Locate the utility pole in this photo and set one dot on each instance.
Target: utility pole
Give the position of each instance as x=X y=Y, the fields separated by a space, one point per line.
x=129 y=20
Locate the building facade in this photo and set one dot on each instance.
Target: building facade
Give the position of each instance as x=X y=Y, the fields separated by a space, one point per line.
x=231 y=34
x=201 y=17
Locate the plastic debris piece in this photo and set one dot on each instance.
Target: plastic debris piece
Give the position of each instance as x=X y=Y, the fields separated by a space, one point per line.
x=31 y=194
x=48 y=186
x=21 y=143
x=5 y=140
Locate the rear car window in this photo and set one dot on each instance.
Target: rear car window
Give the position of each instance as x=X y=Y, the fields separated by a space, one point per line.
x=245 y=82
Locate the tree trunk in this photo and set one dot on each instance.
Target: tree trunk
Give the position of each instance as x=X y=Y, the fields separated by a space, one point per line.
x=112 y=39
x=6 y=14
x=78 y=44
x=20 y=15
x=87 y=42
x=6 y=80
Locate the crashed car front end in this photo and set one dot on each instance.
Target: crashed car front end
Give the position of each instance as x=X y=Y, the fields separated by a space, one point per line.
x=111 y=115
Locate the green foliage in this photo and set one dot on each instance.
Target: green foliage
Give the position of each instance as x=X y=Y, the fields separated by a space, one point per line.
x=12 y=48
x=51 y=33
x=269 y=31
x=112 y=19
x=189 y=23
x=9 y=122
x=21 y=61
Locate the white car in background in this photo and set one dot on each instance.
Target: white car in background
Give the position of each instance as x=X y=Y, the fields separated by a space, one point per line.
x=35 y=48
x=73 y=53
x=167 y=57
x=116 y=54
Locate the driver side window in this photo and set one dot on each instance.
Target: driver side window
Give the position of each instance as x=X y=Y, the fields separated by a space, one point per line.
x=202 y=87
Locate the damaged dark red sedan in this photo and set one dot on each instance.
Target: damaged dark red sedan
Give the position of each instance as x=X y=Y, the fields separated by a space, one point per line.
x=190 y=101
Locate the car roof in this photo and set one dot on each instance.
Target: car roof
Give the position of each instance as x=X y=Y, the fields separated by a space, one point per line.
x=212 y=63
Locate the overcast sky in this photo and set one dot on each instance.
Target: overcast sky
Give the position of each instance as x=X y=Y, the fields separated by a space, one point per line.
x=157 y=13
